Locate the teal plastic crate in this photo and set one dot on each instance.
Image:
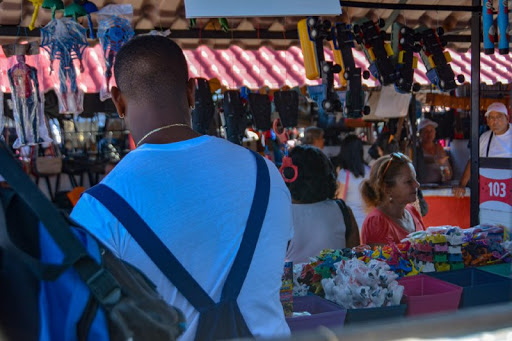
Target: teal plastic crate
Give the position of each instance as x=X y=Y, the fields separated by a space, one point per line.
x=504 y=269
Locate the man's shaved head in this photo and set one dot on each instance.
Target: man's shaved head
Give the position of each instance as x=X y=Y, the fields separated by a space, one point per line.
x=151 y=69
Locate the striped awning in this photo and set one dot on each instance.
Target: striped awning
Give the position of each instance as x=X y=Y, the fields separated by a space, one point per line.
x=235 y=67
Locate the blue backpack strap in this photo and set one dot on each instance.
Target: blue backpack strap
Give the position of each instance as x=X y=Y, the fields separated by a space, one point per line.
x=153 y=246
x=240 y=267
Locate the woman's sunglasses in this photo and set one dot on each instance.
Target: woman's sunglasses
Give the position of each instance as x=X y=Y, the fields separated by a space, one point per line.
x=393 y=156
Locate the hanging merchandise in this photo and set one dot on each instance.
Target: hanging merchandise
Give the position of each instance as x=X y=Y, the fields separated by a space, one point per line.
x=74 y=11
x=342 y=44
x=404 y=44
x=489 y=26
x=28 y=108
x=65 y=39
x=114 y=30
x=53 y=5
x=204 y=110
x=90 y=7
x=371 y=37
x=287 y=104
x=233 y=118
x=503 y=27
x=261 y=109
x=37 y=4
x=436 y=59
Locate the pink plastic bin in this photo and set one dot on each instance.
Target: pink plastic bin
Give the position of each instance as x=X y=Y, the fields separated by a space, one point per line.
x=323 y=313
x=427 y=295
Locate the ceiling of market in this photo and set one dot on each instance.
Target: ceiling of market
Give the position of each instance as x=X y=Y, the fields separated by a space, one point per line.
x=247 y=33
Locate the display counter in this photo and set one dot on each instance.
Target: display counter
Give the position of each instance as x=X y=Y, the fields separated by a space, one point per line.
x=446 y=209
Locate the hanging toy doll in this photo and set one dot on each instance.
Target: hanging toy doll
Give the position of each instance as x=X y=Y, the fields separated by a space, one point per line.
x=114 y=30
x=27 y=105
x=65 y=39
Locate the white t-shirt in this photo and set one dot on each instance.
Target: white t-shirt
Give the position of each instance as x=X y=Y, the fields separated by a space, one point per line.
x=501 y=145
x=354 y=199
x=317 y=226
x=196 y=196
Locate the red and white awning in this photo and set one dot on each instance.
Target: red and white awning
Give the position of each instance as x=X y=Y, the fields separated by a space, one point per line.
x=235 y=67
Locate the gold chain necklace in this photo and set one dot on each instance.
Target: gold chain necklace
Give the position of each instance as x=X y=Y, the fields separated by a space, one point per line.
x=161 y=128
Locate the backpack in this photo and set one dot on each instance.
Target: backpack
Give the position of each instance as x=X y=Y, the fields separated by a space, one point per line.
x=221 y=320
x=70 y=285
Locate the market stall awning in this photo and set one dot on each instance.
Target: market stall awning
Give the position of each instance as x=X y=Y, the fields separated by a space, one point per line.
x=235 y=67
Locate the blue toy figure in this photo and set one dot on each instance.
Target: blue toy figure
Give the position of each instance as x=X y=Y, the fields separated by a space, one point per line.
x=489 y=27
x=503 y=27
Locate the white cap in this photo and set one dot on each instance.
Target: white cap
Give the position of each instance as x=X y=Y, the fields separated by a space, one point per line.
x=426 y=122
x=497 y=107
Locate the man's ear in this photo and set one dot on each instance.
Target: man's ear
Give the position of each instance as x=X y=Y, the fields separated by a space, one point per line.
x=119 y=101
x=191 y=92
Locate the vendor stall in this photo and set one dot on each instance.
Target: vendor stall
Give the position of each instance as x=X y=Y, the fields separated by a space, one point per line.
x=446 y=209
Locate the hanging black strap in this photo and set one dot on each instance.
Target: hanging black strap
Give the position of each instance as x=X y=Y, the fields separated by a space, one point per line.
x=489 y=144
x=346 y=215
x=167 y=262
x=101 y=283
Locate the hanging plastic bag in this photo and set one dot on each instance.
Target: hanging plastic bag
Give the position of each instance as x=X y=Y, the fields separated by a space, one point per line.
x=114 y=30
x=65 y=39
x=28 y=104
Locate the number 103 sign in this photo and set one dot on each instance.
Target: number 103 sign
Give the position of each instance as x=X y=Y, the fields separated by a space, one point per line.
x=496 y=196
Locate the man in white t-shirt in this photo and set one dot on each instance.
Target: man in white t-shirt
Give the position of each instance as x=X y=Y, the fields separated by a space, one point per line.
x=496 y=142
x=194 y=192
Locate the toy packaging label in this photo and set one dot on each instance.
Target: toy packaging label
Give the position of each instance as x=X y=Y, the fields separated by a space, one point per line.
x=286 y=292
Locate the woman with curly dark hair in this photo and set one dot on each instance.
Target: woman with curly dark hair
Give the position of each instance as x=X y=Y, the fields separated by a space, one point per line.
x=318 y=219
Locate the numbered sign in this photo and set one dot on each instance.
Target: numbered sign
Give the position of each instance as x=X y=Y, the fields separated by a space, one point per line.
x=496 y=196
x=495 y=190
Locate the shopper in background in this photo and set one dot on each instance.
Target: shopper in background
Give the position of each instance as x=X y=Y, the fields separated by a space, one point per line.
x=384 y=145
x=390 y=191
x=314 y=136
x=318 y=220
x=351 y=170
x=496 y=142
x=435 y=165
x=195 y=193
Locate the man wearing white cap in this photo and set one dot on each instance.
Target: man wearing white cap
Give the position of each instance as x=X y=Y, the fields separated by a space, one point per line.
x=496 y=142
x=435 y=167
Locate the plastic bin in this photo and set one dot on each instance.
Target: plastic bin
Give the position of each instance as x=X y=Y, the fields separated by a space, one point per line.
x=504 y=269
x=426 y=295
x=372 y=314
x=480 y=287
x=323 y=313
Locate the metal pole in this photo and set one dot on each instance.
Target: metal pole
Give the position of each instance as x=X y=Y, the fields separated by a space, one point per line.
x=475 y=112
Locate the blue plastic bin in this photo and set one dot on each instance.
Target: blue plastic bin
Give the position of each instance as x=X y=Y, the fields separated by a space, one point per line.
x=480 y=287
x=372 y=314
x=323 y=313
